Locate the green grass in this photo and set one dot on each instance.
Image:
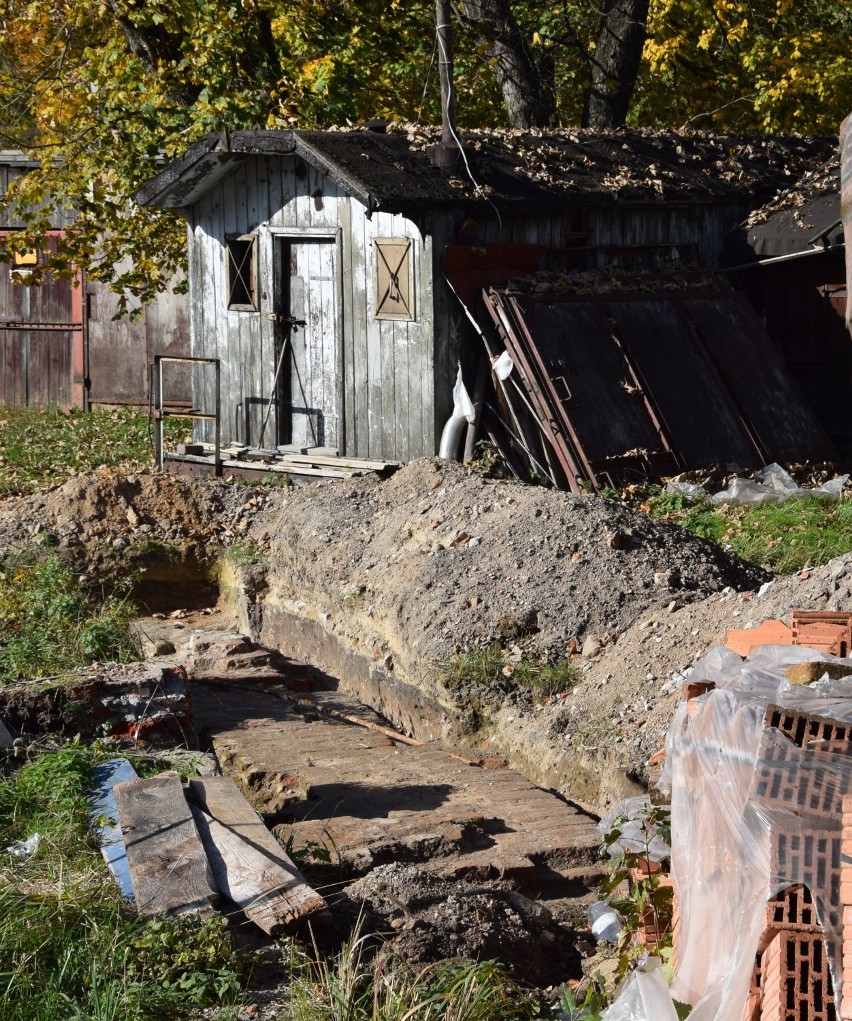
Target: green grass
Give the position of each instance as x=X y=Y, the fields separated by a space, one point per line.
x=489 y=667
x=45 y=447
x=355 y=986
x=787 y=537
x=70 y=950
x=50 y=624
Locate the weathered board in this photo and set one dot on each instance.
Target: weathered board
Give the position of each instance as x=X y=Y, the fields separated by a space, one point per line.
x=104 y=819
x=249 y=865
x=168 y=866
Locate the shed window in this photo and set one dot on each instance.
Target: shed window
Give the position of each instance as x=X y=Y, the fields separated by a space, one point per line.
x=28 y=258
x=242 y=273
x=394 y=279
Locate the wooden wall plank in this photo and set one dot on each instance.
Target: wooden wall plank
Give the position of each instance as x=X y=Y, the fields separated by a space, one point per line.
x=249 y=864
x=445 y=345
x=358 y=313
x=168 y=866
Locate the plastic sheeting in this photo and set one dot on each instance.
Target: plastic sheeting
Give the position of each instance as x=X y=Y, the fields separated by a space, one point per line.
x=753 y=813
x=771 y=485
x=634 y=834
x=644 y=997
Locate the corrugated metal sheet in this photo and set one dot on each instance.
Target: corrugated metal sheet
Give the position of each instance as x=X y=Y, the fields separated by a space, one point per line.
x=666 y=381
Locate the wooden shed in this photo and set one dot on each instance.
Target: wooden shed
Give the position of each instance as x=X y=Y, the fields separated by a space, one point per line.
x=60 y=342
x=316 y=258
x=797 y=282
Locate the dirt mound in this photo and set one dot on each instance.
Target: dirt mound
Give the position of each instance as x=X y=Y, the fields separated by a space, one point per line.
x=439 y=559
x=120 y=510
x=429 y=919
x=409 y=572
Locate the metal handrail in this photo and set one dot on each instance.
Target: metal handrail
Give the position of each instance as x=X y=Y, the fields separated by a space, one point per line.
x=161 y=413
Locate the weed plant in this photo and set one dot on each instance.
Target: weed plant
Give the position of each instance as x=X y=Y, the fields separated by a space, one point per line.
x=638 y=889
x=489 y=667
x=357 y=986
x=787 y=537
x=70 y=949
x=50 y=624
x=45 y=447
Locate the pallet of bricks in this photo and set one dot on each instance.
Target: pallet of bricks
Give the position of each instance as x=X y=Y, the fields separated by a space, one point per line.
x=760 y=777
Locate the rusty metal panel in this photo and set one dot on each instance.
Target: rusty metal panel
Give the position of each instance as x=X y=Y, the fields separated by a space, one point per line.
x=687 y=379
x=589 y=377
x=758 y=380
x=693 y=404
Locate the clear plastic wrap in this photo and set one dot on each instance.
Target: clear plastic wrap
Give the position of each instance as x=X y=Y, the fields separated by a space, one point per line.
x=774 y=485
x=634 y=836
x=771 y=485
x=757 y=771
x=644 y=997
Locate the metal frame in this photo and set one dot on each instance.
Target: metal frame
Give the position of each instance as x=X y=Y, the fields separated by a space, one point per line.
x=160 y=413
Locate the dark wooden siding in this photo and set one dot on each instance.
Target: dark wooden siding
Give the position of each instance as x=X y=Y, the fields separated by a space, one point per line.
x=40 y=367
x=43 y=364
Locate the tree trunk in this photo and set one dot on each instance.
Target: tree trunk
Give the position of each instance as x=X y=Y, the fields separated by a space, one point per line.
x=615 y=63
x=526 y=86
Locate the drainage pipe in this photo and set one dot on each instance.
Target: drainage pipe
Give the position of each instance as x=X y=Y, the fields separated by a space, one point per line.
x=451 y=437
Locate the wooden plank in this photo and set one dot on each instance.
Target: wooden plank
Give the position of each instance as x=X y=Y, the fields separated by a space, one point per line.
x=340 y=462
x=168 y=866
x=104 y=819
x=357 y=423
x=249 y=864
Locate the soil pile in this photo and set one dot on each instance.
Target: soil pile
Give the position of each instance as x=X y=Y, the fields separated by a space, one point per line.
x=428 y=919
x=436 y=561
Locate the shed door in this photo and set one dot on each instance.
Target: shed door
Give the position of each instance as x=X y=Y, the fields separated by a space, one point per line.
x=308 y=318
x=42 y=341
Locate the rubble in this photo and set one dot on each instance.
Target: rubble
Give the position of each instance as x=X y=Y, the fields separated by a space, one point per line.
x=132 y=704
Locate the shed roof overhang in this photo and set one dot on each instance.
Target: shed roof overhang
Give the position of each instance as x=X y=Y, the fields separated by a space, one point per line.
x=184 y=181
x=813 y=225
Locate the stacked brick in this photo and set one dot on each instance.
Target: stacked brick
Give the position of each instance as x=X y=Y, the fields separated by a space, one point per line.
x=846 y=902
x=802 y=784
x=654 y=927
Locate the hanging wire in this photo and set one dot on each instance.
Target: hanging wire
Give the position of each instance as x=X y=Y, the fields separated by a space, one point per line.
x=445 y=59
x=426 y=82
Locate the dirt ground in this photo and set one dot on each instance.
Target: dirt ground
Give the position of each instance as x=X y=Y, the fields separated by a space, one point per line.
x=405 y=574
x=438 y=560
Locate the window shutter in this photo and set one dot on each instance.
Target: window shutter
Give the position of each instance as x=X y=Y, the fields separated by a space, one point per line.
x=394 y=279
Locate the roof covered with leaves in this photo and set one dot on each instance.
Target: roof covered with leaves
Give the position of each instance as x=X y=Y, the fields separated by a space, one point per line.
x=801 y=217
x=393 y=169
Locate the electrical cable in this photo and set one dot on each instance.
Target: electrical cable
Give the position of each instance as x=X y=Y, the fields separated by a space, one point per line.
x=426 y=83
x=445 y=59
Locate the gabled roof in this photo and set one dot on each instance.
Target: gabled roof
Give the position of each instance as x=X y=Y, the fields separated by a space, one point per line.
x=393 y=170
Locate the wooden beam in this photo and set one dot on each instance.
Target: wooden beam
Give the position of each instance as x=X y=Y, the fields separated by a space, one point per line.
x=249 y=865
x=104 y=819
x=168 y=866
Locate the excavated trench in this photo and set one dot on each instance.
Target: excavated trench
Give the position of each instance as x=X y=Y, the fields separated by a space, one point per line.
x=313 y=622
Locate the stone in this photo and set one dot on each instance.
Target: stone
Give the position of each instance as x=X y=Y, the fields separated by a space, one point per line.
x=591 y=647
x=807 y=673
